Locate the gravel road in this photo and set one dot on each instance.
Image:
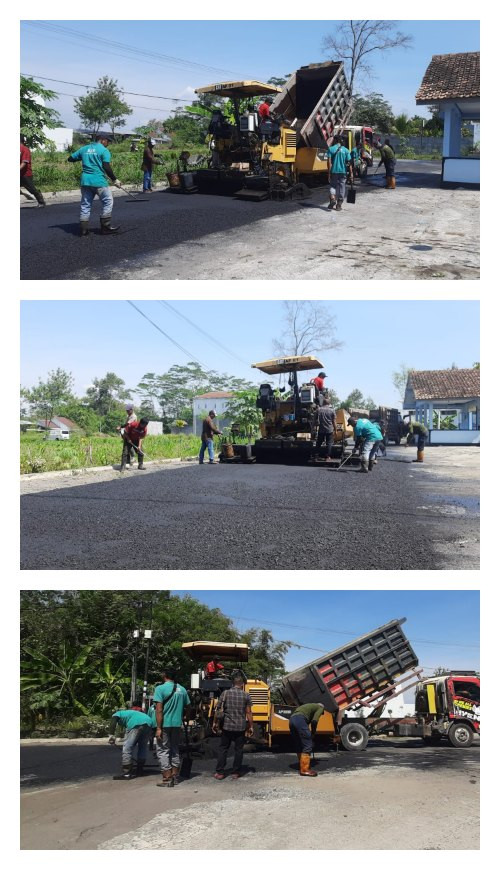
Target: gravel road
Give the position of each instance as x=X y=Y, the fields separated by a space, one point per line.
x=402 y=516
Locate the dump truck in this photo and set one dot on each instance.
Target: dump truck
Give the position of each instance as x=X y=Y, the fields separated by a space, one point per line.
x=281 y=156
x=354 y=683
x=391 y=423
x=288 y=428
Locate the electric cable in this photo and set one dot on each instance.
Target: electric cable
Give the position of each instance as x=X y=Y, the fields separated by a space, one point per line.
x=95 y=88
x=214 y=341
x=190 y=355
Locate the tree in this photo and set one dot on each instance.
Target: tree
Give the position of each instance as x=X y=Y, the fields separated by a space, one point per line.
x=476 y=365
x=309 y=328
x=400 y=379
x=105 y=394
x=153 y=129
x=48 y=397
x=402 y=124
x=372 y=110
x=34 y=113
x=353 y=400
x=243 y=412
x=355 y=41
x=103 y=105
x=266 y=656
x=440 y=671
x=187 y=128
x=278 y=82
x=59 y=676
x=81 y=414
x=369 y=404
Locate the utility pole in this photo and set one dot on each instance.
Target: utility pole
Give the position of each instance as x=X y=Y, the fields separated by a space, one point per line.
x=148 y=633
x=136 y=635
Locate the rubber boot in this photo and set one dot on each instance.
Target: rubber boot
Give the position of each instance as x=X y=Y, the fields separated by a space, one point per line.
x=84 y=228
x=305 y=766
x=331 y=204
x=420 y=456
x=122 y=467
x=338 y=206
x=363 y=466
x=166 y=779
x=175 y=776
x=393 y=182
x=140 y=467
x=371 y=463
x=140 y=768
x=106 y=228
x=126 y=772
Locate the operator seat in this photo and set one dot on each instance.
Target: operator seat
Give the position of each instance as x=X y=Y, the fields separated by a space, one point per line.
x=266 y=400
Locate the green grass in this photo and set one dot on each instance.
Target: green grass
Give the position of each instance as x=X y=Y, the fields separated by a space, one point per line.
x=38 y=454
x=52 y=172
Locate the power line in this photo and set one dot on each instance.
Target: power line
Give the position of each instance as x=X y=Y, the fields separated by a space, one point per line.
x=190 y=355
x=349 y=633
x=95 y=88
x=214 y=341
x=141 y=53
x=131 y=106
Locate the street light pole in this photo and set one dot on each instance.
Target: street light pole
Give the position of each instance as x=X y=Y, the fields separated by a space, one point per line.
x=148 y=633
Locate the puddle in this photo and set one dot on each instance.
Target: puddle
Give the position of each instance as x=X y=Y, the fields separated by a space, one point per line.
x=420 y=247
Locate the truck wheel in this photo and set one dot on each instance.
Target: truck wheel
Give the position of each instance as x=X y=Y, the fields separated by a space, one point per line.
x=354 y=737
x=460 y=735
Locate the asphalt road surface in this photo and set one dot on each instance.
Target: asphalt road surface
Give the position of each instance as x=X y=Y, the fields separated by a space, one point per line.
x=51 y=247
x=401 y=516
x=69 y=800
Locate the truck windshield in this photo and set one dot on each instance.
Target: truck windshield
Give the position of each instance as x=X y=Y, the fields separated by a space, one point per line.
x=467 y=690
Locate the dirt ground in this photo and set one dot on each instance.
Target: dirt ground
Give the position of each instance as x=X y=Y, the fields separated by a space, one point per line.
x=388 y=797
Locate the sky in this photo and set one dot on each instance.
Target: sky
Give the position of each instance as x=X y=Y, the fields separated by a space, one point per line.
x=91 y=338
x=442 y=626
x=211 y=51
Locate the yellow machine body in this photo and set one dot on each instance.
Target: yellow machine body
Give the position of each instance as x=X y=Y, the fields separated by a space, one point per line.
x=280 y=725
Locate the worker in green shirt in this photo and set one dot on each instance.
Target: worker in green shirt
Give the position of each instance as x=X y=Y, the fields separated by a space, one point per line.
x=413 y=429
x=303 y=717
x=339 y=167
x=388 y=158
x=94 y=181
x=137 y=733
x=171 y=701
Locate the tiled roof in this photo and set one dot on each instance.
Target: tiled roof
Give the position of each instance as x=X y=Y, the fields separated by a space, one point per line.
x=216 y=395
x=58 y=423
x=450 y=77
x=445 y=384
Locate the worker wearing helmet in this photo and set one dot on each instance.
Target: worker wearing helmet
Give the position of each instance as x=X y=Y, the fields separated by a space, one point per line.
x=148 y=161
x=303 y=723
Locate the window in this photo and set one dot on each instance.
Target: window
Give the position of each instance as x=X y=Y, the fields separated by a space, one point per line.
x=467 y=690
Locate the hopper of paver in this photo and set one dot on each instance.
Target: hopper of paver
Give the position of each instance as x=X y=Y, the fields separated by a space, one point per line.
x=360 y=668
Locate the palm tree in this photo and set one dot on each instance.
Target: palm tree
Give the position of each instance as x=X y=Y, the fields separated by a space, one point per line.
x=59 y=678
x=402 y=124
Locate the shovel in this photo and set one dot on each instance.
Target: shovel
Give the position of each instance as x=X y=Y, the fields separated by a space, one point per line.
x=187 y=761
x=351 y=194
x=136 y=198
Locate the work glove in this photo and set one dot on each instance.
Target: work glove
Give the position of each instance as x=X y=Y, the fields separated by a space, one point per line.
x=112 y=741
x=117 y=182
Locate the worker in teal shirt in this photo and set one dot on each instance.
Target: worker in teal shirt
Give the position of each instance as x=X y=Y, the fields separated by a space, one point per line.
x=171 y=702
x=339 y=167
x=368 y=437
x=137 y=733
x=94 y=180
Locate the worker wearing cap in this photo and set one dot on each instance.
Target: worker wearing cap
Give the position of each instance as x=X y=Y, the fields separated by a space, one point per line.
x=412 y=429
x=135 y=434
x=209 y=429
x=127 y=455
x=94 y=180
x=368 y=437
x=214 y=668
x=319 y=383
x=303 y=723
x=264 y=109
x=137 y=733
x=388 y=158
x=148 y=161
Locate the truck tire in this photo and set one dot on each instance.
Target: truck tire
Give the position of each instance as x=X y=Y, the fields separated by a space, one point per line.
x=460 y=735
x=354 y=737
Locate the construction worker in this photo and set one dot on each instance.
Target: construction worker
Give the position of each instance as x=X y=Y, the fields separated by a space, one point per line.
x=264 y=109
x=207 y=438
x=234 y=721
x=148 y=161
x=319 y=383
x=388 y=158
x=214 y=668
x=303 y=723
x=133 y=436
x=27 y=173
x=339 y=167
x=131 y=418
x=171 y=702
x=137 y=733
x=324 y=419
x=413 y=429
x=367 y=437
x=96 y=170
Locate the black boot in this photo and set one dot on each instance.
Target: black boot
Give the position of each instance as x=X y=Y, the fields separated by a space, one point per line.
x=106 y=228
x=140 y=467
x=140 y=768
x=126 y=772
x=84 y=228
x=371 y=463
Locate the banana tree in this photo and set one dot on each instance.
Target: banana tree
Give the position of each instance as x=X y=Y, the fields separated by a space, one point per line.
x=110 y=685
x=60 y=677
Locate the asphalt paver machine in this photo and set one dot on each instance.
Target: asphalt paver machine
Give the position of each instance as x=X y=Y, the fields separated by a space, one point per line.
x=288 y=427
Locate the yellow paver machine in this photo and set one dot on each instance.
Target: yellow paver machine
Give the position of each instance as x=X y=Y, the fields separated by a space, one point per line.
x=288 y=430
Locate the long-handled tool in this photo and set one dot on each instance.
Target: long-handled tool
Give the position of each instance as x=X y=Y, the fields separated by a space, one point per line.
x=187 y=761
x=344 y=462
x=136 y=197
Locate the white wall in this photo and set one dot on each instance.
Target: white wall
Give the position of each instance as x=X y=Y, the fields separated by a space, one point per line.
x=62 y=137
x=155 y=427
x=461 y=170
x=454 y=436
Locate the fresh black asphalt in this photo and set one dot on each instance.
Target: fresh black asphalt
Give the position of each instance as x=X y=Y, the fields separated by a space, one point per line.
x=51 y=247
x=50 y=765
x=230 y=517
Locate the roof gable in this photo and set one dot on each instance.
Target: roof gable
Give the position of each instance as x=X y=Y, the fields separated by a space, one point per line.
x=445 y=384
x=450 y=77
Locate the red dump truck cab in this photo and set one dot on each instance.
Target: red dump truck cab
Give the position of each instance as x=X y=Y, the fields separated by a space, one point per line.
x=464 y=694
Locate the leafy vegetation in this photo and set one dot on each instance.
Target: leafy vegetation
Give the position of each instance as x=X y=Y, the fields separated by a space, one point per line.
x=35 y=115
x=103 y=106
x=77 y=649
